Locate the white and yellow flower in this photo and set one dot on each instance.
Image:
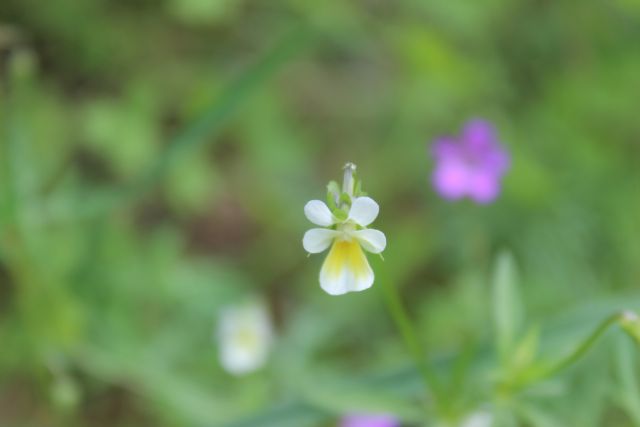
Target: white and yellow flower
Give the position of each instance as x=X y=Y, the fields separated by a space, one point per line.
x=244 y=335
x=346 y=268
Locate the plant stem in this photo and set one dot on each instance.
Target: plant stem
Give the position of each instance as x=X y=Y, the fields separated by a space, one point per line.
x=622 y=319
x=407 y=331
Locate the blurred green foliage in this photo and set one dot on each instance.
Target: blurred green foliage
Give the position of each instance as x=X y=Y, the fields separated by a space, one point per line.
x=155 y=157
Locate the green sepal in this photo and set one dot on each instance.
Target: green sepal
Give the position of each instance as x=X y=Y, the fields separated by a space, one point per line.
x=358 y=189
x=333 y=193
x=331 y=201
x=345 y=198
x=334 y=188
x=340 y=214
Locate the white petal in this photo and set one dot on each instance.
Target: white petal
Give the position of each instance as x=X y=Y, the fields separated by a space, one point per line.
x=318 y=213
x=371 y=240
x=345 y=269
x=364 y=211
x=318 y=240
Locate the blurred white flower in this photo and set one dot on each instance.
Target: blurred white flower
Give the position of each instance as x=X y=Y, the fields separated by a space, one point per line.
x=478 y=419
x=244 y=334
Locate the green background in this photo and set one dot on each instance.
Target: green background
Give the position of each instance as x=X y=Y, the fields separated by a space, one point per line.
x=155 y=157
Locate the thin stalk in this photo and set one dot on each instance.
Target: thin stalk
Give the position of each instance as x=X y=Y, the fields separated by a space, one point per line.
x=402 y=321
x=627 y=320
x=397 y=309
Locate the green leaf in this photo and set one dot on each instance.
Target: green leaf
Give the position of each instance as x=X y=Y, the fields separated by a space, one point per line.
x=507 y=305
x=527 y=349
x=626 y=362
x=535 y=416
x=293 y=414
x=505 y=416
x=358 y=188
x=333 y=193
x=341 y=397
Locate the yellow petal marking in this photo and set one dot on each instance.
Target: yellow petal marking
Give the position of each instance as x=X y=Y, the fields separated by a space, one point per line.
x=349 y=255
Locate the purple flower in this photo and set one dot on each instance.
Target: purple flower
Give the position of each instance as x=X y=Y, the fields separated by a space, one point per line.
x=364 y=420
x=471 y=165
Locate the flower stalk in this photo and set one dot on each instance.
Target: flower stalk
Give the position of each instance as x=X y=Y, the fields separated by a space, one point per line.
x=627 y=320
x=408 y=333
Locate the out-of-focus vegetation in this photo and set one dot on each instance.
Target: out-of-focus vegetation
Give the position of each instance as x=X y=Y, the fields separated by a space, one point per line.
x=155 y=157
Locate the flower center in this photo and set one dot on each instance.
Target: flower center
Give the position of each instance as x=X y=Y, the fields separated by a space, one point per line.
x=345 y=230
x=246 y=337
x=471 y=158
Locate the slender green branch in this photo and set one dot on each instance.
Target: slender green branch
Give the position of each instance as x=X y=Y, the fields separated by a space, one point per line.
x=627 y=320
x=403 y=323
x=582 y=349
x=199 y=131
x=202 y=128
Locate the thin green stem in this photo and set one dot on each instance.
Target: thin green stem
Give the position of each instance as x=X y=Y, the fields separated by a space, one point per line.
x=201 y=129
x=582 y=349
x=626 y=320
x=407 y=331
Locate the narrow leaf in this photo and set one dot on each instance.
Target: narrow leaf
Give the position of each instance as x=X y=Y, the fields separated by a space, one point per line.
x=507 y=305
